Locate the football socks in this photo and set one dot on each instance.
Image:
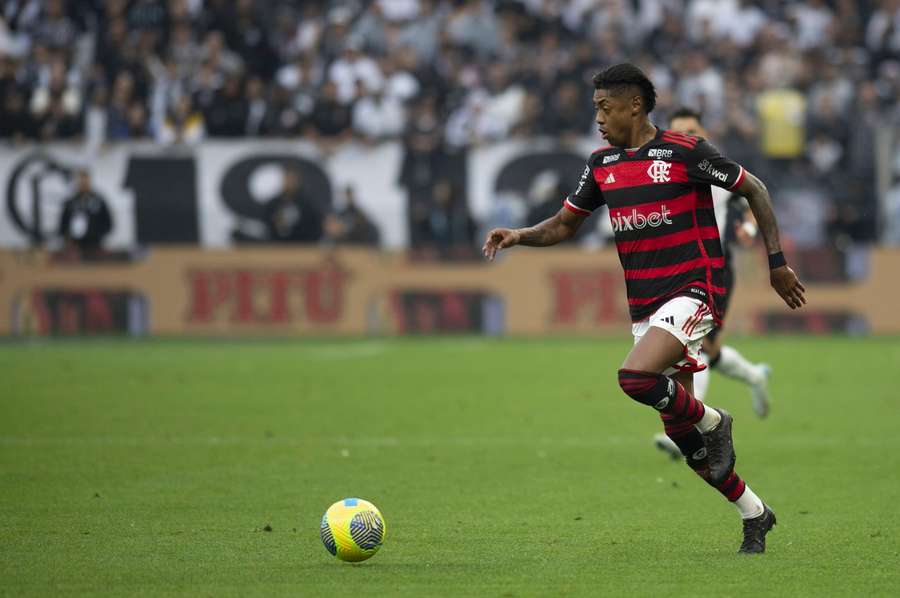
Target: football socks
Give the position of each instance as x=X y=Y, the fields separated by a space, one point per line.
x=734 y=365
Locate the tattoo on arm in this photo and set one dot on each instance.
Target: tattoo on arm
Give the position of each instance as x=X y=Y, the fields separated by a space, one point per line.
x=761 y=205
x=551 y=231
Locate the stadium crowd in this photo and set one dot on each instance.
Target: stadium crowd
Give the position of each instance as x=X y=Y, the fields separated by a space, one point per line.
x=795 y=90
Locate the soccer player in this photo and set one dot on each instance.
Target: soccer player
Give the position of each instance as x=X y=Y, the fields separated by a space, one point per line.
x=656 y=184
x=735 y=226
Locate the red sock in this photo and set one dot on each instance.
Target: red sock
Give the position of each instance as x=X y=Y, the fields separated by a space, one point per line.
x=676 y=427
x=684 y=408
x=732 y=487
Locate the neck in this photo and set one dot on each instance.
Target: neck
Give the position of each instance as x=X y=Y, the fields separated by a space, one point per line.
x=642 y=133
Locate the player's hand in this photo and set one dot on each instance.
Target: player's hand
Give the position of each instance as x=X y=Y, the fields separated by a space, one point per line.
x=786 y=284
x=497 y=239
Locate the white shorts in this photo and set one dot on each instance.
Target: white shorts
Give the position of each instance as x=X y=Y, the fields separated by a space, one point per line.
x=686 y=318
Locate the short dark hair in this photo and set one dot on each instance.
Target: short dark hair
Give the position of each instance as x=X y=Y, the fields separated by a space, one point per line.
x=616 y=78
x=685 y=112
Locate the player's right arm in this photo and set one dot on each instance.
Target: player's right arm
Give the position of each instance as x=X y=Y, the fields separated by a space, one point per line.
x=563 y=225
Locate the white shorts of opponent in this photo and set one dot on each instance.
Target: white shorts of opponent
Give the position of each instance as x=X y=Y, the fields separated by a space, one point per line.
x=687 y=319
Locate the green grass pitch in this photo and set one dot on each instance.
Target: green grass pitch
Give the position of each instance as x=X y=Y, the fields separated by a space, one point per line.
x=503 y=468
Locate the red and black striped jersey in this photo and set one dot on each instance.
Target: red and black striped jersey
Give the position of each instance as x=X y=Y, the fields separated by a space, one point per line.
x=661 y=209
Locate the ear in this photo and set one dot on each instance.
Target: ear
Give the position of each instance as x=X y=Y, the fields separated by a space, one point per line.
x=637 y=104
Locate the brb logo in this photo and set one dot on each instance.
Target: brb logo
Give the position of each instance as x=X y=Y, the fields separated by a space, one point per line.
x=659 y=171
x=636 y=221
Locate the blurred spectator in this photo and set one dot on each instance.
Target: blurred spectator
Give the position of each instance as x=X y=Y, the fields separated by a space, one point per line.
x=349 y=225
x=813 y=20
x=749 y=18
x=85 y=218
x=700 y=85
x=377 y=117
x=782 y=114
x=184 y=51
x=250 y=39
x=305 y=72
x=57 y=121
x=883 y=30
x=425 y=160
x=443 y=227
x=17 y=123
x=331 y=118
x=421 y=34
x=226 y=115
x=568 y=113
x=182 y=125
x=400 y=81
x=286 y=119
x=291 y=216
x=117 y=114
x=472 y=24
x=54 y=28
x=56 y=102
x=351 y=68
x=258 y=114
x=218 y=56
x=136 y=119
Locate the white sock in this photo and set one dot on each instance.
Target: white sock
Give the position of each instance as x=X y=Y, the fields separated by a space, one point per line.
x=734 y=365
x=701 y=382
x=749 y=504
x=710 y=420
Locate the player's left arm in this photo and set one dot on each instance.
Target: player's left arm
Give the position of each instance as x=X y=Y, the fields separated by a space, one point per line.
x=782 y=277
x=706 y=165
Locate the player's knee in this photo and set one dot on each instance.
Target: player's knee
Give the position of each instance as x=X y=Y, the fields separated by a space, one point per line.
x=648 y=388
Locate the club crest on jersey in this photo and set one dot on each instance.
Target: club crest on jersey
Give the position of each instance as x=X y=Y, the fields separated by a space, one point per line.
x=659 y=171
x=635 y=221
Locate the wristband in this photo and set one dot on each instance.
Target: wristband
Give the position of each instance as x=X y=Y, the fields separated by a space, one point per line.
x=776 y=260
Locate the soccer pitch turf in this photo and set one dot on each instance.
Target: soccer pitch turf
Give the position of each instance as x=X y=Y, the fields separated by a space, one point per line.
x=502 y=467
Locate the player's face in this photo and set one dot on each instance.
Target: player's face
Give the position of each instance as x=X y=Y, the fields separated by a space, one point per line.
x=688 y=125
x=614 y=116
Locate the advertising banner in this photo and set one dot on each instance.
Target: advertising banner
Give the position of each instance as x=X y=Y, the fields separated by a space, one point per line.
x=178 y=290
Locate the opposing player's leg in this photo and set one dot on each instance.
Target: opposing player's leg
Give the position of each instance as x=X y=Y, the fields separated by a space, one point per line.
x=667 y=445
x=756 y=375
x=701 y=380
x=728 y=361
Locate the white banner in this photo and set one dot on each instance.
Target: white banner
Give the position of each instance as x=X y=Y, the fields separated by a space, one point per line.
x=211 y=193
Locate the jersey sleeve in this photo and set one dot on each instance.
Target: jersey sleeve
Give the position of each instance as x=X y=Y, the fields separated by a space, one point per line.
x=587 y=196
x=707 y=166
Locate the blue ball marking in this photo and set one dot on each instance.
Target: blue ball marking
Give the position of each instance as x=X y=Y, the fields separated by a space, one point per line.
x=351 y=502
x=367 y=530
x=327 y=537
